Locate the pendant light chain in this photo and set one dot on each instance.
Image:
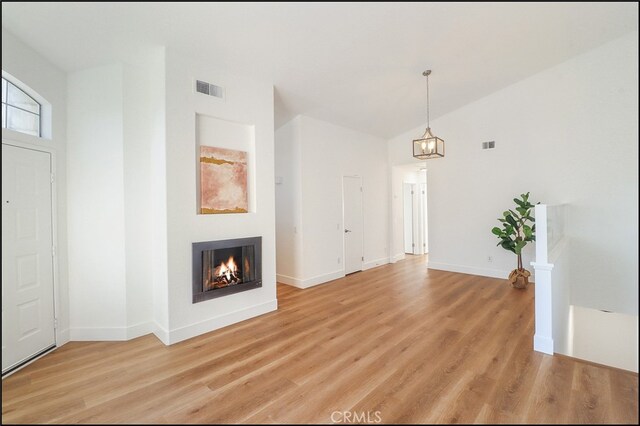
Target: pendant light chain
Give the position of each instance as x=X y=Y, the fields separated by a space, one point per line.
x=428 y=123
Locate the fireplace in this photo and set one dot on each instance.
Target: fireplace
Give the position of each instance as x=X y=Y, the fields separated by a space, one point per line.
x=226 y=267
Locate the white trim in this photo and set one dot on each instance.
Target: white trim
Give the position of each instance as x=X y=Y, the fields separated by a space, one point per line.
x=160 y=332
x=110 y=333
x=397 y=257
x=196 y=329
x=485 y=272
x=286 y=279
x=542 y=266
x=310 y=282
x=91 y=334
x=375 y=263
x=543 y=344
x=62 y=337
x=140 y=329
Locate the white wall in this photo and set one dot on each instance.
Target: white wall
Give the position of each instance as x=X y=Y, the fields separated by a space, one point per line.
x=158 y=194
x=606 y=338
x=132 y=200
x=578 y=121
x=327 y=153
x=143 y=112
x=95 y=158
x=288 y=162
x=248 y=101
x=48 y=81
x=117 y=223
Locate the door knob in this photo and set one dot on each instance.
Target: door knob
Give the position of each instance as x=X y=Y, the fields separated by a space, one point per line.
x=347 y=230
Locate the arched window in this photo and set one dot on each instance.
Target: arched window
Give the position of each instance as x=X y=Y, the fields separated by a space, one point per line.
x=20 y=112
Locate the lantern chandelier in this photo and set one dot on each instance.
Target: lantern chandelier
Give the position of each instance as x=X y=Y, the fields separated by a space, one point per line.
x=428 y=146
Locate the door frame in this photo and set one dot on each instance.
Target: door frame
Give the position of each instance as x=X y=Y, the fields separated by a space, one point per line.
x=58 y=337
x=405 y=212
x=344 y=245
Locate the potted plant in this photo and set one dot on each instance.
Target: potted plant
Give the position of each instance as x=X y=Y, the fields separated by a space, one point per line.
x=518 y=229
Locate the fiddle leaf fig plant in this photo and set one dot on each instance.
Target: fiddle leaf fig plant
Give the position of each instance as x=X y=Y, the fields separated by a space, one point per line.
x=518 y=227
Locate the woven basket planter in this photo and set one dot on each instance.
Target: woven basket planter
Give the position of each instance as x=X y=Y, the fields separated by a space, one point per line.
x=519 y=278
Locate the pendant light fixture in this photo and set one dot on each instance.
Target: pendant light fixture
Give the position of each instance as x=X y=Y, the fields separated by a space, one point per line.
x=428 y=146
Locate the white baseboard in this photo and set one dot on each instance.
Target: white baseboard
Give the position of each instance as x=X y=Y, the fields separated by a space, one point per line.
x=140 y=329
x=397 y=257
x=89 y=334
x=485 y=272
x=62 y=337
x=193 y=330
x=309 y=282
x=161 y=333
x=286 y=279
x=375 y=263
x=543 y=344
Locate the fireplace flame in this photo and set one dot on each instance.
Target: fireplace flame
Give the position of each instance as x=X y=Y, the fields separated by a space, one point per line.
x=229 y=269
x=225 y=274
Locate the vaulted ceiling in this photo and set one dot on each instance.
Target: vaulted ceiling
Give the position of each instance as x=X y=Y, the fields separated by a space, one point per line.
x=355 y=64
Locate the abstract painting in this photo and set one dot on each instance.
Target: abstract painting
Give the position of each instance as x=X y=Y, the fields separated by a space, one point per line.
x=223 y=181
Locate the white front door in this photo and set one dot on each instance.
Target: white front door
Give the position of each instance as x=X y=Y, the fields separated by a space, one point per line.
x=27 y=255
x=353 y=226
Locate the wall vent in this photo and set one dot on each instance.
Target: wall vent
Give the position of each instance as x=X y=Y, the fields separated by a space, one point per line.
x=209 y=89
x=488 y=145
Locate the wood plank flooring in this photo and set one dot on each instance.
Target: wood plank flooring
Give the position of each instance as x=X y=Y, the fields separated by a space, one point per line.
x=399 y=342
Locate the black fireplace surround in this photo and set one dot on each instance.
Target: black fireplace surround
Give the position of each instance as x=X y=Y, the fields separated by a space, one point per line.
x=226 y=267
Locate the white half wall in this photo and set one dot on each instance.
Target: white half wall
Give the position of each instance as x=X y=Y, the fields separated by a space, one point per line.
x=25 y=64
x=578 y=119
x=248 y=101
x=313 y=158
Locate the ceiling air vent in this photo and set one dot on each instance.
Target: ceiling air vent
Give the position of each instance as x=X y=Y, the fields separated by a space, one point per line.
x=209 y=89
x=489 y=145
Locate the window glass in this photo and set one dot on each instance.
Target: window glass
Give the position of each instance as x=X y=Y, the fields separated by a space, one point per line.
x=22 y=121
x=19 y=99
x=20 y=112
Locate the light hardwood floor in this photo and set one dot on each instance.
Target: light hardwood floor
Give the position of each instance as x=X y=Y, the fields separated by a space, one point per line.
x=416 y=346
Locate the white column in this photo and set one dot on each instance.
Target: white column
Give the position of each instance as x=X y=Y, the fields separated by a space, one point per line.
x=543 y=338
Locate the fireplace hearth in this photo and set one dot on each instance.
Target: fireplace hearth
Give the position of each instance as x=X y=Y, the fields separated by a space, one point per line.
x=226 y=267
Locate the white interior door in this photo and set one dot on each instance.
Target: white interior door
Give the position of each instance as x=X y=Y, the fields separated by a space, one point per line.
x=408 y=217
x=353 y=226
x=424 y=219
x=27 y=255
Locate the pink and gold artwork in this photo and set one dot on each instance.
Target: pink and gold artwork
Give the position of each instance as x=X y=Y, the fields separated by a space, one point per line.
x=223 y=181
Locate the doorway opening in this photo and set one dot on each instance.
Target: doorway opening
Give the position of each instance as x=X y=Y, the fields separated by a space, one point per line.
x=413 y=226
